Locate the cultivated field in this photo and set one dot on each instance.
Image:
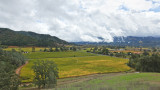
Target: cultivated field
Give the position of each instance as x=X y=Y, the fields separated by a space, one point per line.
x=25 y=49
x=40 y=55
x=73 y=64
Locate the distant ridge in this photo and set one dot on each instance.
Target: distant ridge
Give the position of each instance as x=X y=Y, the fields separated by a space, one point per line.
x=128 y=41
x=24 y=38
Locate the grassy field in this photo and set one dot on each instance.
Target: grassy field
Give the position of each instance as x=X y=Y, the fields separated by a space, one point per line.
x=117 y=81
x=40 y=55
x=25 y=49
x=71 y=63
x=77 y=66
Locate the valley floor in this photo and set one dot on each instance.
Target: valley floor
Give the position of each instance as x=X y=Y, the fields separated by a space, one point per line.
x=110 y=81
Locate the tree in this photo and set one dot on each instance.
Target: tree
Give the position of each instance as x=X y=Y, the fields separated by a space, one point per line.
x=33 y=49
x=13 y=57
x=105 y=51
x=50 y=49
x=9 y=80
x=62 y=49
x=95 y=49
x=46 y=73
x=154 y=49
x=13 y=50
x=74 y=48
x=111 y=54
x=45 y=50
x=57 y=50
x=145 y=53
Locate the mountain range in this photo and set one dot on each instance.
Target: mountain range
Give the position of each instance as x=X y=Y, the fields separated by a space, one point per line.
x=128 y=41
x=26 y=38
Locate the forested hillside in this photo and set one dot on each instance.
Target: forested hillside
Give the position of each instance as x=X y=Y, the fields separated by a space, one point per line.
x=22 y=38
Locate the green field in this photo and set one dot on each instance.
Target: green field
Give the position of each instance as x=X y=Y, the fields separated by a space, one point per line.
x=114 y=81
x=72 y=64
x=40 y=55
x=26 y=49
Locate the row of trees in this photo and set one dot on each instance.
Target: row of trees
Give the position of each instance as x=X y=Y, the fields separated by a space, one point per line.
x=145 y=62
x=59 y=49
x=97 y=50
x=105 y=51
x=50 y=49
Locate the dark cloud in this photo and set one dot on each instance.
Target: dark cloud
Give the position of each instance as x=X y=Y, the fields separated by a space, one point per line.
x=82 y=20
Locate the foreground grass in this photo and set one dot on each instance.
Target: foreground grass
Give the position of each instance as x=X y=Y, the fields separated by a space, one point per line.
x=78 y=66
x=130 y=81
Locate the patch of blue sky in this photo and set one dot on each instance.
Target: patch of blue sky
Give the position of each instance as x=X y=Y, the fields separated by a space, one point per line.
x=38 y=21
x=155 y=9
x=122 y=7
x=154 y=1
x=81 y=5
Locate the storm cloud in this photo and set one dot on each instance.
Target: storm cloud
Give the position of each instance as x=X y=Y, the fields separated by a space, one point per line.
x=83 y=20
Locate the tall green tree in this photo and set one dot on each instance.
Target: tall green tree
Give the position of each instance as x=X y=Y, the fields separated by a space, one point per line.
x=50 y=49
x=57 y=50
x=33 y=49
x=105 y=51
x=74 y=48
x=62 y=49
x=46 y=73
x=95 y=49
x=145 y=53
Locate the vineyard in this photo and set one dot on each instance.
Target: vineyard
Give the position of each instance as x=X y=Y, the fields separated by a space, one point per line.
x=76 y=66
x=40 y=55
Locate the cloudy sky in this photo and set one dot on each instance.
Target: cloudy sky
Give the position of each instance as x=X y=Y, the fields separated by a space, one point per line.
x=83 y=20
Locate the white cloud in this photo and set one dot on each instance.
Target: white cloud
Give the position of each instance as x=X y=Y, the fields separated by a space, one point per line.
x=138 y=5
x=83 y=20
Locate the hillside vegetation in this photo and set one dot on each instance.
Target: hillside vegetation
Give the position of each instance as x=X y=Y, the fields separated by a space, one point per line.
x=23 y=38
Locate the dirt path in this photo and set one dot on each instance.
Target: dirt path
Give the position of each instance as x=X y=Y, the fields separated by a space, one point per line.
x=18 y=70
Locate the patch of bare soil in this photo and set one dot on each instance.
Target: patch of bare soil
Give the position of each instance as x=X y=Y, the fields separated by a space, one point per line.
x=18 y=70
